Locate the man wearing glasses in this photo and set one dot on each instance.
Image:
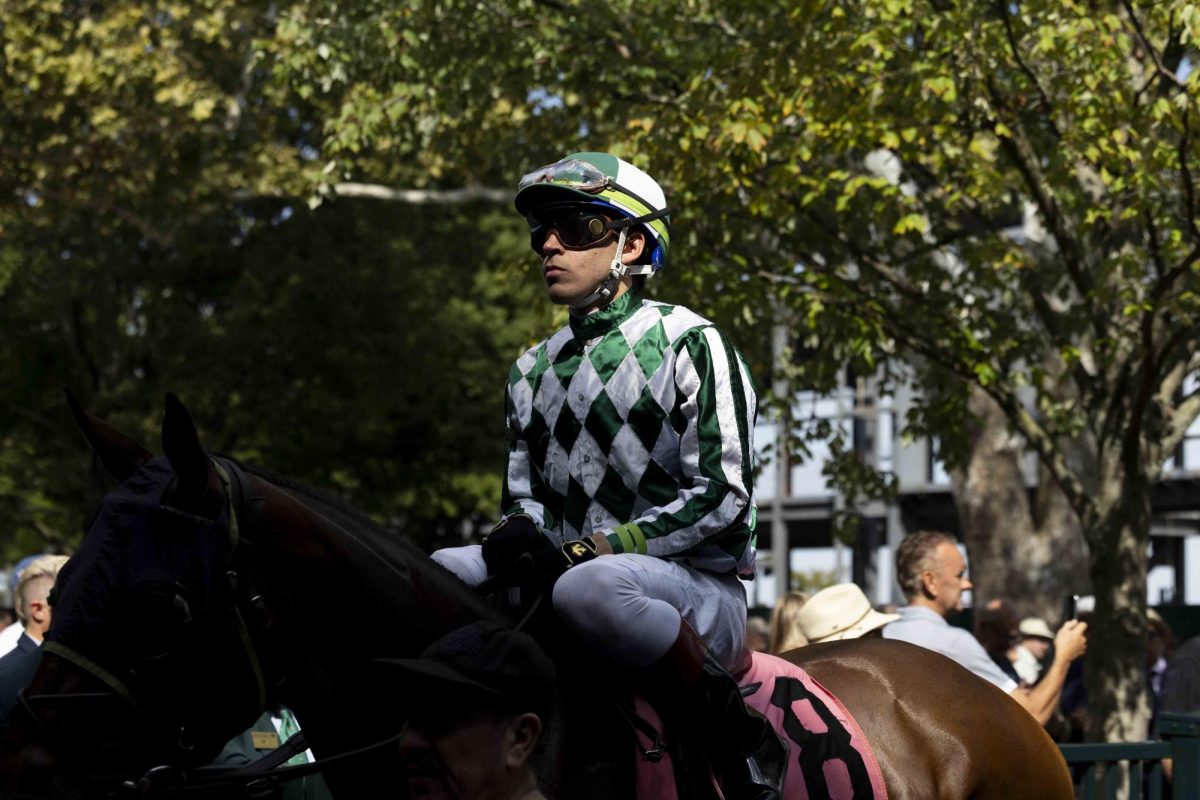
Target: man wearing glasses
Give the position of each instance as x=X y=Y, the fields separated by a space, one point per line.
x=628 y=487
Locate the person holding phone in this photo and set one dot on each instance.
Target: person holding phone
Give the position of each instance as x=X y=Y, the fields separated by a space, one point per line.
x=933 y=575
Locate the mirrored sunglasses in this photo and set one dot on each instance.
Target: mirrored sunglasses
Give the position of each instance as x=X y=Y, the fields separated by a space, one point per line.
x=576 y=230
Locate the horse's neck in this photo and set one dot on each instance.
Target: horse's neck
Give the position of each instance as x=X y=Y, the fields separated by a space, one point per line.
x=341 y=596
x=352 y=596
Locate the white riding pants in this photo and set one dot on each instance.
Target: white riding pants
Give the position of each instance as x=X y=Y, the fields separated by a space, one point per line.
x=628 y=606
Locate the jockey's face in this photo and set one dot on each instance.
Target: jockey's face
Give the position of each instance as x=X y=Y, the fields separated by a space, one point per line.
x=573 y=274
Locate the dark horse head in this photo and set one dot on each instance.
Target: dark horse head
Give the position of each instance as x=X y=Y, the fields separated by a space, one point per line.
x=203 y=592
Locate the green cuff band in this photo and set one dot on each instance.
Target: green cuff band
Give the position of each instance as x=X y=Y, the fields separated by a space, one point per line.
x=627 y=538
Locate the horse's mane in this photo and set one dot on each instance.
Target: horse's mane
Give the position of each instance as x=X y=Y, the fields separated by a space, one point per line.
x=389 y=544
x=346 y=515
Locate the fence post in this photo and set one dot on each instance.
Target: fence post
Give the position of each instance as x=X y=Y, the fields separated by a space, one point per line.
x=1182 y=731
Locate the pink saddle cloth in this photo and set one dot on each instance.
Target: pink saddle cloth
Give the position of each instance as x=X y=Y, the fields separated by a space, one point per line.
x=829 y=757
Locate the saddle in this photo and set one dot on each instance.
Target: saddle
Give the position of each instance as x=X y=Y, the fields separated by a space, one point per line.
x=608 y=739
x=830 y=757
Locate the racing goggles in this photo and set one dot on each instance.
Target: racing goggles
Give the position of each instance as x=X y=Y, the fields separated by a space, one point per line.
x=576 y=228
x=574 y=173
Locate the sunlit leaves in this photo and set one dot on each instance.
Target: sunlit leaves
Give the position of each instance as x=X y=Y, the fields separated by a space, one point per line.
x=965 y=192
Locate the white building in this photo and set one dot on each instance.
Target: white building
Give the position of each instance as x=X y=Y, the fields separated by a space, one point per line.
x=806 y=504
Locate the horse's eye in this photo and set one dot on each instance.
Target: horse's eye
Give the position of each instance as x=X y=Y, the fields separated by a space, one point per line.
x=156 y=615
x=162 y=605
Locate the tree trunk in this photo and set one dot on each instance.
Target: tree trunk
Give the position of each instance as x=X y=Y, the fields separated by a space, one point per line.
x=1118 y=702
x=1031 y=554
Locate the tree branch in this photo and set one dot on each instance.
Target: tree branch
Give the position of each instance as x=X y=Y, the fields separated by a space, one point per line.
x=883 y=271
x=56 y=540
x=1147 y=384
x=466 y=194
x=1003 y=6
x=970 y=216
x=1052 y=319
x=1189 y=185
x=1048 y=451
x=1183 y=415
x=1026 y=162
x=1155 y=249
x=927 y=342
x=374 y=191
x=1159 y=68
x=776 y=278
x=1179 y=347
x=148 y=230
x=50 y=426
x=933 y=246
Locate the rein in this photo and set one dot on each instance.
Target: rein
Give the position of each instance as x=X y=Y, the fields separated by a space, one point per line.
x=254 y=779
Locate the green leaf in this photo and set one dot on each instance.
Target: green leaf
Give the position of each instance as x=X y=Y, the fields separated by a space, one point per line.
x=911 y=222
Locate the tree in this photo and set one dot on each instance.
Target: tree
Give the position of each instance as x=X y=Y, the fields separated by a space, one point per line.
x=123 y=130
x=899 y=162
x=154 y=236
x=1031 y=549
x=866 y=164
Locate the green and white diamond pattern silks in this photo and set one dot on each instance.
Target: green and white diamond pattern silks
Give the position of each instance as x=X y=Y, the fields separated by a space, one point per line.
x=636 y=421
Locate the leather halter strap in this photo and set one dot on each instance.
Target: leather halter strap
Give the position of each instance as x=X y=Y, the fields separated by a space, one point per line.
x=109 y=679
x=232 y=483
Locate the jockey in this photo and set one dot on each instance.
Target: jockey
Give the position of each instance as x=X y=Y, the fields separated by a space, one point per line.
x=629 y=483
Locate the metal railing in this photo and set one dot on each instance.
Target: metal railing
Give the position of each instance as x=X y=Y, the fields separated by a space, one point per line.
x=1108 y=768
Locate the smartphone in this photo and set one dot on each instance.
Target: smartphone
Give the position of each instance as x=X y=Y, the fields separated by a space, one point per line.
x=1072 y=607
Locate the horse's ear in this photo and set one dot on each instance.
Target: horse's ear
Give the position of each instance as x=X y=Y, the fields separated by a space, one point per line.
x=181 y=444
x=120 y=455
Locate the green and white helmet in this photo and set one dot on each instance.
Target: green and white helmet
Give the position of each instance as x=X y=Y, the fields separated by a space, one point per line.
x=603 y=180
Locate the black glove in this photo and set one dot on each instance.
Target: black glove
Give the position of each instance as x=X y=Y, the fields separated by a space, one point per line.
x=510 y=540
x=545 y=567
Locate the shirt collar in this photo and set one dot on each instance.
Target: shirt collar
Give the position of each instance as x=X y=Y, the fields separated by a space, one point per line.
x=605 y=319
x=921 y=612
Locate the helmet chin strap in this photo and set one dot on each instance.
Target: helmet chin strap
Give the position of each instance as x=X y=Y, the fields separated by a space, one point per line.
x=607 y=287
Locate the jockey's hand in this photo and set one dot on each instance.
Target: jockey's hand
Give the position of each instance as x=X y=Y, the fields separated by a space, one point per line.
x=512 y=539
x=547 y=566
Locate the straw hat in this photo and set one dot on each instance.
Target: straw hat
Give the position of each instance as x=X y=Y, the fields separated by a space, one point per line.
x=840 y=612
x=1035 y=626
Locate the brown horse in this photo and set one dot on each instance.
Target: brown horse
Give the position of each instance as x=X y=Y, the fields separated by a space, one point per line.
x=204 y=591
x=938 y=730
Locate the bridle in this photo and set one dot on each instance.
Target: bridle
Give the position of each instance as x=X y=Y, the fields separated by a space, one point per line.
x=251 y=780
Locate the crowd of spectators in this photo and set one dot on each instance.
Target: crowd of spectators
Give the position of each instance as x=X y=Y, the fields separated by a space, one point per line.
x=1039 y=667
